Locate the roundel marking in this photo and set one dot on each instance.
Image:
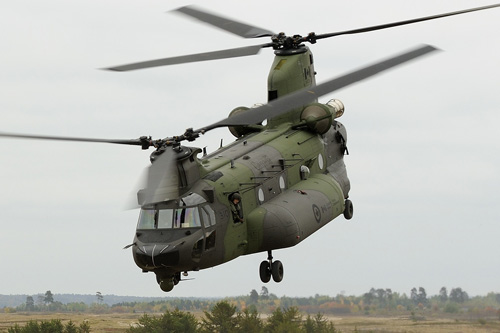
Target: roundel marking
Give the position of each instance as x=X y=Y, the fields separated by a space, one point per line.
x=317 y=213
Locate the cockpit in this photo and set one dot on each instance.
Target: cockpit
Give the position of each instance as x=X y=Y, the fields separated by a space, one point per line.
x=169 y=230
x=191 y=211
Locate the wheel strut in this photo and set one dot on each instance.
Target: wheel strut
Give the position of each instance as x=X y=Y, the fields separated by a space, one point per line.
x=270 y=257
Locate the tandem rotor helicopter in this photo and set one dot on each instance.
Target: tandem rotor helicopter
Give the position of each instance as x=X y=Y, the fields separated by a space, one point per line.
x=274 y=186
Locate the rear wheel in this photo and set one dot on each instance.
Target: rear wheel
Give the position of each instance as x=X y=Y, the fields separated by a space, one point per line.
x=348 y=210
x=265 y=271
x=277 y=271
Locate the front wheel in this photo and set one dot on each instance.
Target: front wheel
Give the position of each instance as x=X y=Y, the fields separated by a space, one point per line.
x=167 y=285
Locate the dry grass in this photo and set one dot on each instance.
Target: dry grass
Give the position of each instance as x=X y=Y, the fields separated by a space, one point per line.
x=121 y=322
x=406 y=324
x=114 y=322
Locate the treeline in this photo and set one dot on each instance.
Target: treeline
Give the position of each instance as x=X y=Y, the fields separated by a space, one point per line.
x=15 y=300
x=374 y=302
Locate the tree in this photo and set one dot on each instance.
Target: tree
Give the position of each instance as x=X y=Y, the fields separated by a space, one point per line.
x=264 y=293
x=249 y=322
x=369 y=297
x=288 y=321
x=422 y=295
x=30 y=303
x=222 y=318
x=99 y=297
x=458 y=295
x=443 y=294
x=49 y=298
x=254 y=296
x=171 y=321
x=414 y=295
x=70 y=328
x=84 y=327
x=318 y=324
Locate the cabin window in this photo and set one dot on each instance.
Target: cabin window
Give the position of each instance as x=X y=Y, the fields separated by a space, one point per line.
x=320 y=161
x=282 y=183
x=260 y=195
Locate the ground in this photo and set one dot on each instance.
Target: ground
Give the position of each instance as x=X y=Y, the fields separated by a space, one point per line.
x=120 y=322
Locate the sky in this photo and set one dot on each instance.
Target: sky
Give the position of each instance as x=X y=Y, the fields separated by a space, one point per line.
x=423 y=142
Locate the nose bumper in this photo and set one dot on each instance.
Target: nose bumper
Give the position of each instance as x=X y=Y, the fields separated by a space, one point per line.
x=149 y=257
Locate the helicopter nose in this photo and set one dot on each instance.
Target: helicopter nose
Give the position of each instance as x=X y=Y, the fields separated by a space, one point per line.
x=155 y=255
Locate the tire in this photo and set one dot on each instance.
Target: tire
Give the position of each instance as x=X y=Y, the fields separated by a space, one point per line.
x=265 y=271
x=348 y=210
x=176 y=278
x=277 y=271
x=167 y=285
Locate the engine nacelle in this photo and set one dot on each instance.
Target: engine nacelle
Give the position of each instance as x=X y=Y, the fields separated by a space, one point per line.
x=319 y=117
x=239 y=131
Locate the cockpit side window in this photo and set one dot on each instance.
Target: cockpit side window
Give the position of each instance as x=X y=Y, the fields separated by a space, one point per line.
x=208 y=215
x=146 y=219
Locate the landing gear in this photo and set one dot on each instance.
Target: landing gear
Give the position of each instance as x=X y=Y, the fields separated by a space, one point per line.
x=270 y=269
x=176 y=278
x=167 y=283
x=348 y=210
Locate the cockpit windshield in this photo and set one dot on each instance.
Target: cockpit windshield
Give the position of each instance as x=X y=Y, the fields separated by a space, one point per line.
x=190 y=212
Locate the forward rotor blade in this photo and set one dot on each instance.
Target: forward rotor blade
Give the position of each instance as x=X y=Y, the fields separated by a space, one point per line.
x=222 y=54
x=395 y=24
x=162 y=180
x=226 y=24
x=309 y=95
x=134 y=142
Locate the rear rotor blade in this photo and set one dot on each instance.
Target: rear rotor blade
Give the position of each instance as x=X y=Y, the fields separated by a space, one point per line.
x=308 y=95
x=395 y=24
x=135 y=142
x=229 y=25
x=222 y=54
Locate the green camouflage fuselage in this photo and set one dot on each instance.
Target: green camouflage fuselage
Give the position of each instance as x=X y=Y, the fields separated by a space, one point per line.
x=292 y=181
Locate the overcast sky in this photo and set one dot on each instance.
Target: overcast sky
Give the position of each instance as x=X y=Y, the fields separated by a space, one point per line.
x=423 y=140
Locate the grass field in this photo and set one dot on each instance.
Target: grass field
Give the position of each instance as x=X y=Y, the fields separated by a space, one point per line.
x=121 y=322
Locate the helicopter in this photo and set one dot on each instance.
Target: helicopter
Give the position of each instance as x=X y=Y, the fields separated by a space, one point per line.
x=288 y=175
